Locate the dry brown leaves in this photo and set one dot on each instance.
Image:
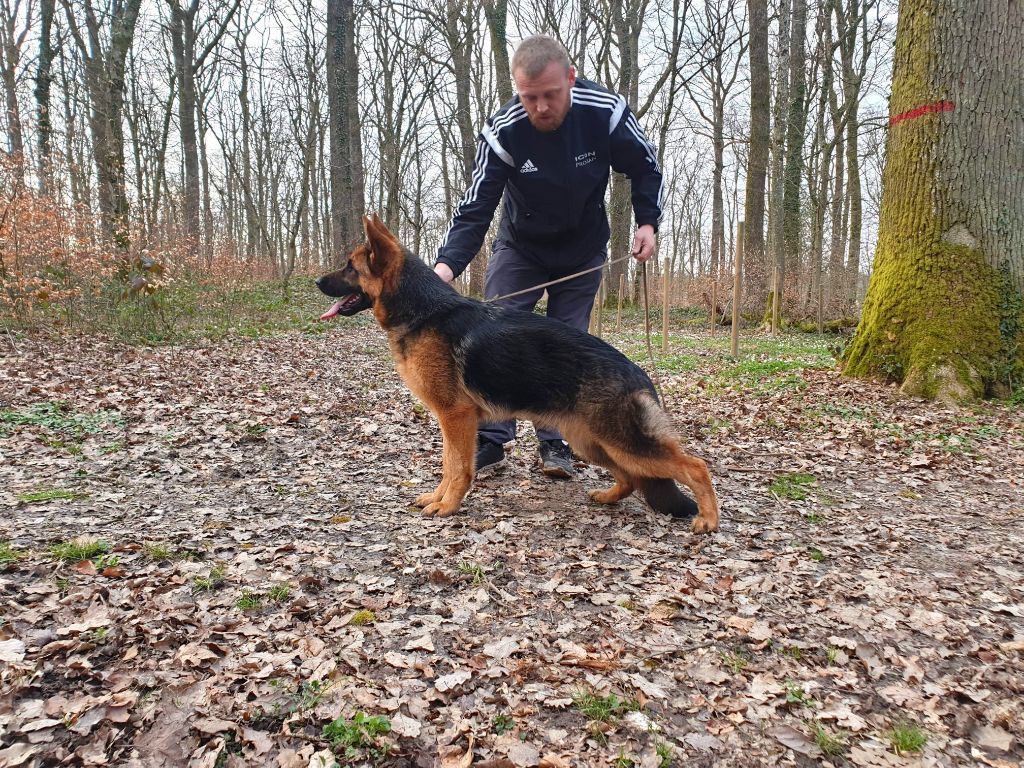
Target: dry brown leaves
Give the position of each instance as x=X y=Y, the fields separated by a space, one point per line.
x=281 y=470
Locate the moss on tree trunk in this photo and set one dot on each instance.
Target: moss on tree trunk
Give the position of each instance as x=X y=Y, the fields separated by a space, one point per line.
x=942 y=313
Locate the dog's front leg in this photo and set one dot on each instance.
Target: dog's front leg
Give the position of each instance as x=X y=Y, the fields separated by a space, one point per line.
x=426 y=499
x=458 y=431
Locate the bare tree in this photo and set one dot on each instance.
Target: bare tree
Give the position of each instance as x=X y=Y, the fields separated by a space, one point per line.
x=104 y=62
x=760 y=117
x=721 y=31
x=14 y=27
x=795 y=126
x=44 y=77
x=347 y=187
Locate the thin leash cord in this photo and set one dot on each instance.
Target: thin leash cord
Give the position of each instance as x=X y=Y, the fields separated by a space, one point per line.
x=647 y=328
x=559 y=280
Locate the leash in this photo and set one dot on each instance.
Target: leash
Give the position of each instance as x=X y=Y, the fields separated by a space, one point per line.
x=559 y=280
x=647 y=327
x=647 y=309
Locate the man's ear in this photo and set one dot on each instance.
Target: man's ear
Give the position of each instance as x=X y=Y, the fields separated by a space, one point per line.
x=384 y=248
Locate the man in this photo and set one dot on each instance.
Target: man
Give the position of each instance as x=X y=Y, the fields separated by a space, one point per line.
x=550 y=150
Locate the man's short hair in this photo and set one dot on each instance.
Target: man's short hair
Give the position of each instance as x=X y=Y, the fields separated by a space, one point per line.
x=534 y=54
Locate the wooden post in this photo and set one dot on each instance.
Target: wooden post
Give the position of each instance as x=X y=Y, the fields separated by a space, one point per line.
x=600 y=308
x=736 y=288
x=618 y=313
x=666 y=277
x=714 y=305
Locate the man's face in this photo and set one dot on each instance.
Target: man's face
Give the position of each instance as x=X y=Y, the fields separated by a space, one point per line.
x=546 y=97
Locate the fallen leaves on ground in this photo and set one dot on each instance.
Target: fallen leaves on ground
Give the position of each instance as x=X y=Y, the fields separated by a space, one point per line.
x=265 y=574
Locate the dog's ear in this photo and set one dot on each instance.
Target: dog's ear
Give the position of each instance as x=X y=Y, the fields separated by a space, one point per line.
x=384 y=247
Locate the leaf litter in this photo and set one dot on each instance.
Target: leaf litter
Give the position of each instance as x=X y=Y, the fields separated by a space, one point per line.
x=281 y=470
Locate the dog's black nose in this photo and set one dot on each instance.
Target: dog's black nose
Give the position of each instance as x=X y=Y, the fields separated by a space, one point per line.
x=319 y=282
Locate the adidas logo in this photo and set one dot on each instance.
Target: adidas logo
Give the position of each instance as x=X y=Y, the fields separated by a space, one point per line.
x=528 y=167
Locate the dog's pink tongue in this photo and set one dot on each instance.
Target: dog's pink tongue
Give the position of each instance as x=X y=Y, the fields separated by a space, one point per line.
x=332 y=311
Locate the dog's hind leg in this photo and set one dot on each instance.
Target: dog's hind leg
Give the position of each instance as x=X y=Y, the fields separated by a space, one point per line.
x=458 y=430
x=693 y=473
x=617 y=492
x=586 y=445
x=670 y=462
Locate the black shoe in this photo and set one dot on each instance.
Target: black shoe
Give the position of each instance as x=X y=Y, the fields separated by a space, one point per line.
x=556 y=458
x=488 y=455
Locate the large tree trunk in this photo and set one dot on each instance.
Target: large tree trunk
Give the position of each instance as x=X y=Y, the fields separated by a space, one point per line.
x=943 y=311
x=757 y=161
x=347 y=189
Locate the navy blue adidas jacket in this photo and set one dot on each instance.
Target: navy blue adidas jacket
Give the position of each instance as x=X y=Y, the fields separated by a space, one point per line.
x=554 y=183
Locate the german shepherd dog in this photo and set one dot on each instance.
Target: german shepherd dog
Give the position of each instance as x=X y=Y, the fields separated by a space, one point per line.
x=469 y=361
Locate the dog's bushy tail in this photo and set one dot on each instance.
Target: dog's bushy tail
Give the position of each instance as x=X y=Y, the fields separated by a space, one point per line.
x=664 y=496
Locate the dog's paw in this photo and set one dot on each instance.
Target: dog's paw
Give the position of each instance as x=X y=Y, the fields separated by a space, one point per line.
x=439 y=509
x=426 y=499
x=603 y=497
x=701 y=525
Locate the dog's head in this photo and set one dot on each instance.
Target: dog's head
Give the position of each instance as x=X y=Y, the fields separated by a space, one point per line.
x=371 y=272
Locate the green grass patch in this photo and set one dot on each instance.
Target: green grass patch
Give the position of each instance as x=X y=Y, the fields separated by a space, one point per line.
x=792 y=486
x=906 y=738
x=830 y=743
x=214 y=580
x=735 y=661
x=360 y=738
x=57 y=418
x=52 y=494
x=158 y=552
x=604 y=709
x=475 y=572
x=80 y=549
x=279 y=592
x=8 y=554
x=361 y=618
x=249 y=601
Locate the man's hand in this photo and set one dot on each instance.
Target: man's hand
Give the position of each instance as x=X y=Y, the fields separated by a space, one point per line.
x=443 y=271
x=643 y=243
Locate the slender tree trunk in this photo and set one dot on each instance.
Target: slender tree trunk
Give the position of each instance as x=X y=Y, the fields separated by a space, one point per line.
x=943 y=313
x=461 y=30
x=251 y=225
x=105 y=69
x=183 y=45
x=757 y=160
x=625 y=30
x=791 y=228
x=840 y=205
x=10 y=61
x=497 y=25
x=780 y=113
x=853 y=192
x=348 y=199
x=44 y=77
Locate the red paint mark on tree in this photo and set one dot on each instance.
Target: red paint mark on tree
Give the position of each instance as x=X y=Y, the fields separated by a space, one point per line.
x=939 y=106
